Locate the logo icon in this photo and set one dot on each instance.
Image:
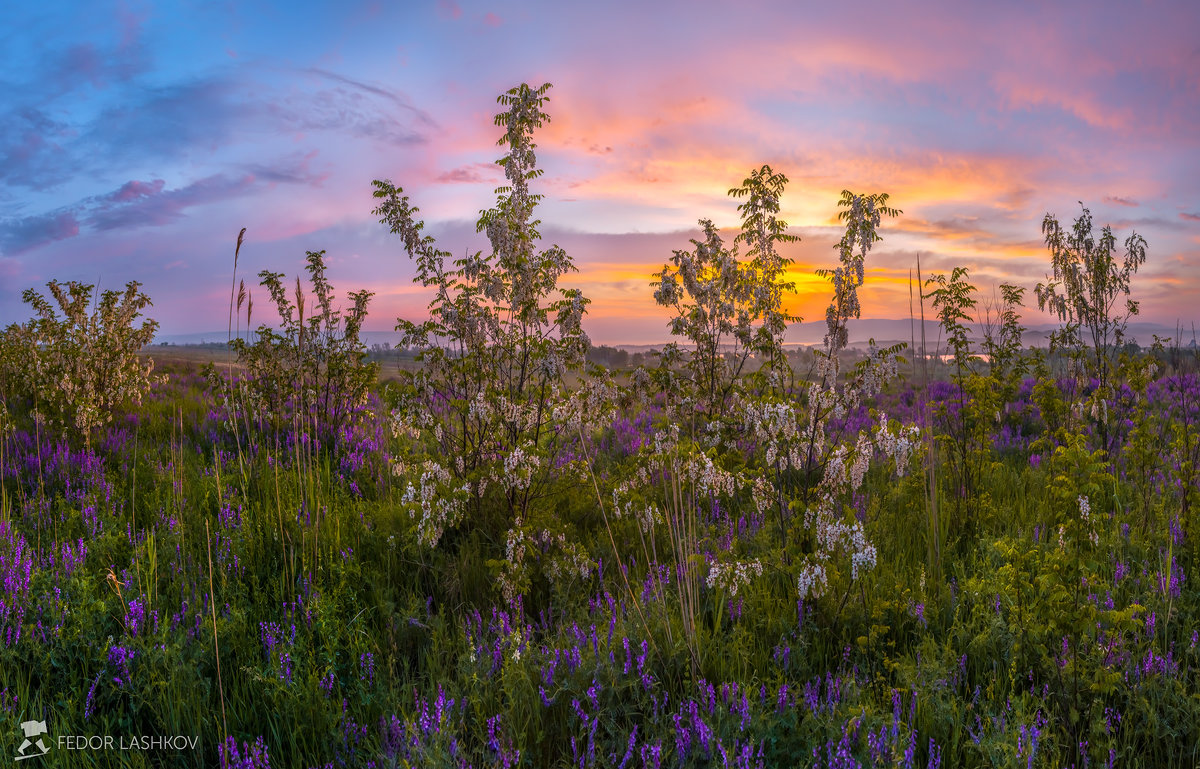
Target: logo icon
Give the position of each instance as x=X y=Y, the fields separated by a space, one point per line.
x=32 y=729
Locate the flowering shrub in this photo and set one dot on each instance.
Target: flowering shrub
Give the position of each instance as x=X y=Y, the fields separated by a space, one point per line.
x=799 y=440
x=488 y=414
x=727 y=309
x=836 y=538
x=77 y=369
x=313 y=367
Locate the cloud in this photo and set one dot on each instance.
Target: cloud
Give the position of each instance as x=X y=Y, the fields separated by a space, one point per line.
x=395 y=97
x=32 y=152
x=134 y=204
x=19 y=235
x=52 y=90
x=1120 y=201
x=97 y=65
x=290 y=169
x=165 y=123
x=41 y=152
x=470 y=174
x=160 y=207
x=41 y=146
x=134 y=189
x=1189 y=217
x=348 y=106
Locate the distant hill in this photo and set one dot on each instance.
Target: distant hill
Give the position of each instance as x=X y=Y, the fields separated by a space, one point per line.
x=883 y=331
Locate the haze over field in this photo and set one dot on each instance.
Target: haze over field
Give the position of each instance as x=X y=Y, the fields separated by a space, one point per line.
x=139 y=138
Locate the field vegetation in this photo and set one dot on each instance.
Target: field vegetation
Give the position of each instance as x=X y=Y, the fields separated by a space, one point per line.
x=502 y=546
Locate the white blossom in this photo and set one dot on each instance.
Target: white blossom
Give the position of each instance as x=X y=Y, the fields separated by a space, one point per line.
x=732 y=575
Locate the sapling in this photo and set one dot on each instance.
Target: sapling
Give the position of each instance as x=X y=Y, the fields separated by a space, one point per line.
x=488 y=415
x=1083 y=292
x=312 y=370
x=1002 y=335
x=953 y=302
x=730 y=309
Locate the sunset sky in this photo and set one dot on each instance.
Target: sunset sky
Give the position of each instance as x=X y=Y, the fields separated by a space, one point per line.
x=138 y=138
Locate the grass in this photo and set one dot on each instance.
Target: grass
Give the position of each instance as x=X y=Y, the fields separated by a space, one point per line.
x=163 y=583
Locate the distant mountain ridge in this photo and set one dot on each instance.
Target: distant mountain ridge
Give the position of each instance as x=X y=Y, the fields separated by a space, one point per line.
x=883 y=331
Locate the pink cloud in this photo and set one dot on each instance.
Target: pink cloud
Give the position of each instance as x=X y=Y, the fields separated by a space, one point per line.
x=449 y=9
x=492 y=20
x=133 y=190
x=470 y=174
x=17 y=236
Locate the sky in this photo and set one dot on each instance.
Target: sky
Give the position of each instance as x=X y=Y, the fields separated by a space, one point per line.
x=137 y=139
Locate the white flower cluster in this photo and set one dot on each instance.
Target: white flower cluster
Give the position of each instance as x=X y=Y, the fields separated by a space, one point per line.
x=1085 y=515
x=668 y=292
x=709 y=479
x=862 y=460
x=845 y=471
x=776 y=428
x=516 y=643
x=588 y=407
x=570 y=316
x=762 y=495
x=481 y=408
x=646 y=515
x=514 y=545
x=522 y=416
x=900 y=445
x=430 y=502
x=571 y=563
x=835 y=534
x=878 y=369
x=410 y=418
x=812 y=580
x=519 y=469
x=713 y=434
x=733 y=575
x=511 y=569
x=554 y=366
x=640 y=384
x=666 y=440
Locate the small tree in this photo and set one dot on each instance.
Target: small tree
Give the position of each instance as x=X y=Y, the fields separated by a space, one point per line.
x=828 y=396
x=77 y=369
x=488 y=411
x=1083 y=293
x=1002 y=333
x=729 y=309
x=953 y=302
x=314 y=364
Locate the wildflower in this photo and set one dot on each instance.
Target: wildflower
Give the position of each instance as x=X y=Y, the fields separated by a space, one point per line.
x=733 y=575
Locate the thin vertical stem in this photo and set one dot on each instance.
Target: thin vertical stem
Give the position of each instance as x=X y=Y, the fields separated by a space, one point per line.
x=212 y=605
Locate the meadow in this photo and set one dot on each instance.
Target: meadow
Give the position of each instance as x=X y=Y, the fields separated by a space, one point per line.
x=502 y=555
